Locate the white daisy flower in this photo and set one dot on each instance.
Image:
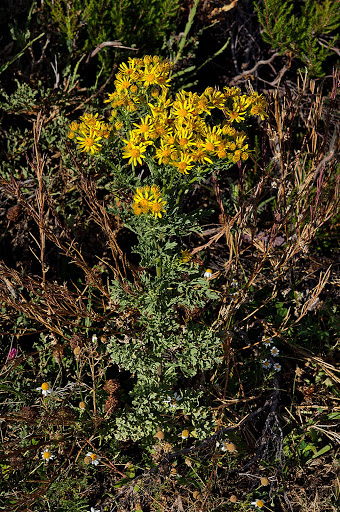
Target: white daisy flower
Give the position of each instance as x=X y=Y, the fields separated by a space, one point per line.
x=94 y=458
x=94 y=339
x=266 y=364
x=47 y=455
x=94 y=510
x=208 y=273
x=258 y=503
x=185 y=434
x=45 y=389
x=268 y=342
x=172 y=401
x=274 y=351
x=277 y=367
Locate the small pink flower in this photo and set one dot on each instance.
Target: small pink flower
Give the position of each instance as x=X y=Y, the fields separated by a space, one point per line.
x=12 y=354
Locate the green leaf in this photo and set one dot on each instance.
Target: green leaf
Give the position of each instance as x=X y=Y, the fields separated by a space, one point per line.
x=323 y=450
x=8 y=63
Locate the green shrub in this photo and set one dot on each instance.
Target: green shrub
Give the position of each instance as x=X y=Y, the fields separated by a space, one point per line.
x=85 y=25
x=307 y=30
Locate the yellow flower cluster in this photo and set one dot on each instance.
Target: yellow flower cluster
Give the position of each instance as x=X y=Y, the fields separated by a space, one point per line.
x=136 y=81
x=174 y=131
x=148 y=200
x=89 y=132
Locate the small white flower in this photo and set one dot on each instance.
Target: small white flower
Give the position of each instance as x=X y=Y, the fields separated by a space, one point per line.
x=266 y=364
x=94 y=339
x=95 y=458
x=45 y=389
x=185 y=434
x=222 y=445
x=47 y=455
x=208 y=273
x=172 y=401
x=258 y=503
x=268 y=342
x=94 y=510
x=274 y=351
x=277 y=367
x=234 y=283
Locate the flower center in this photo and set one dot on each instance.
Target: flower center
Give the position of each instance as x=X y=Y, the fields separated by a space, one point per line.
x=93 y=456
x=183 y=141
x=182 y=166
x=135 y=153
x=45 y=386
x=234 y=115
x=156 y=208
x=88 y=142
x=144 y=205
x=150 y=78
x=182 y=112
x=46 y=455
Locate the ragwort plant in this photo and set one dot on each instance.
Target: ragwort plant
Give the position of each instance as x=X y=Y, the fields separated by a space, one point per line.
x=177 y=144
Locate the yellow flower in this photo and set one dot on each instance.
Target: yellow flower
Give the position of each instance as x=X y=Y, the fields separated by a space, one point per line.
x=148 y=200
x=154 y=75
x=221 y=150
x=185 y=163
x=237 y=156
x=200 y=155
x=186 y=256
x=159 y=129
x=137 y=209
x=227 y=129
x=184 y=138
x=202 y=104
x=163 y=153
x=142 y=199
x=157 y=207
x=231 y=91
x=89 y=119
x=217 y=99
x=155 y=92
x=134 y=152
x=182 y=110
x=119 y=125
x=74 y=126
x=238 y=111
x=128 y=70
x=122 y=83
x=155 y=191
x=144 y=127
x=89 y=142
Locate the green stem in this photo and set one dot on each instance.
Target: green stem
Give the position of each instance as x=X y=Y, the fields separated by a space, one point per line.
x=159 y=259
